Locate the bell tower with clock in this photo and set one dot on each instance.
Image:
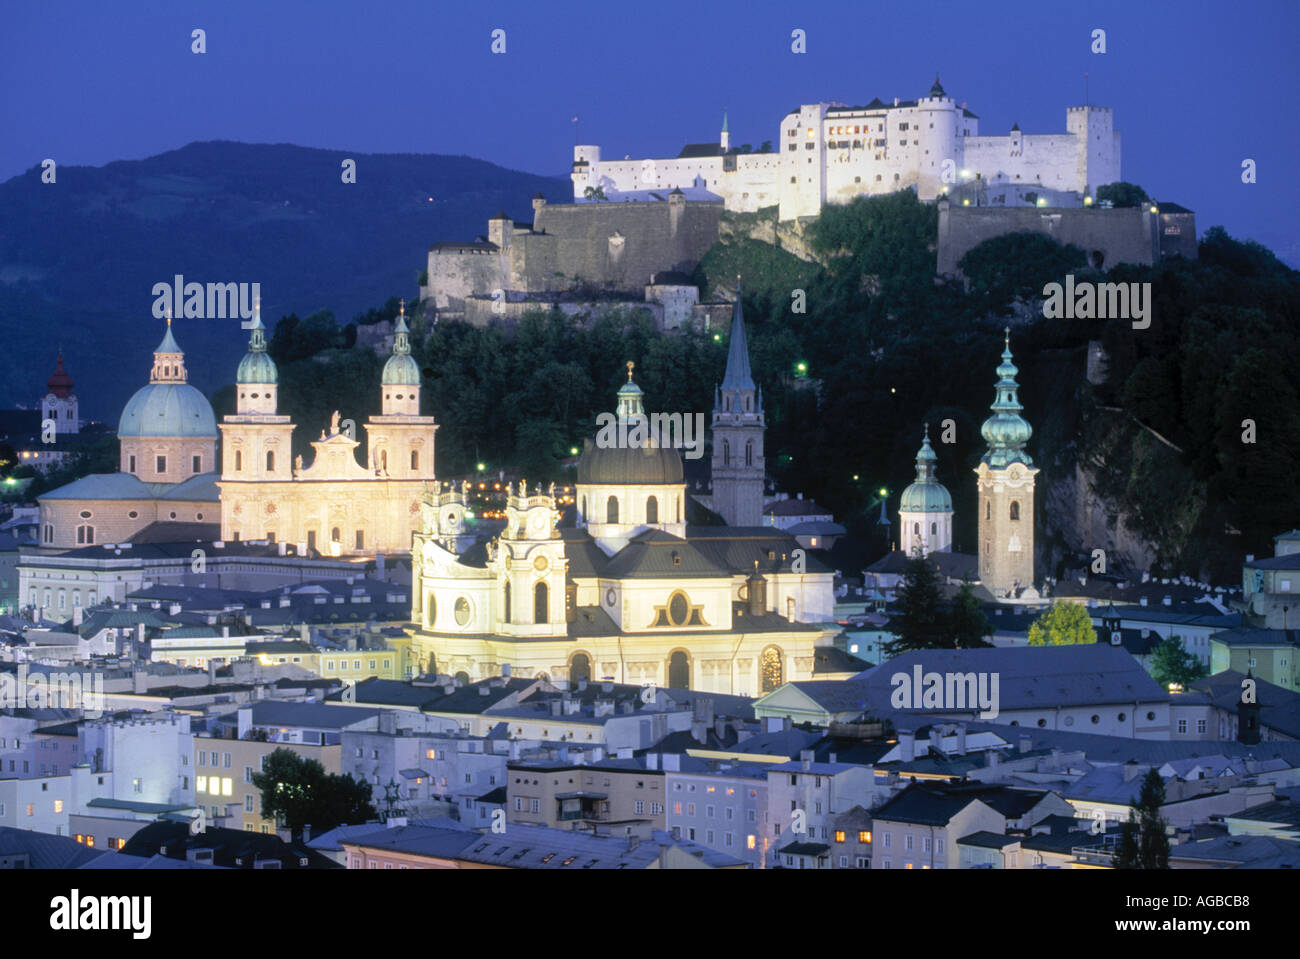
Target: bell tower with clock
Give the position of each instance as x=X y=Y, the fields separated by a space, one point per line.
x=531 y=568
x=1006 y=491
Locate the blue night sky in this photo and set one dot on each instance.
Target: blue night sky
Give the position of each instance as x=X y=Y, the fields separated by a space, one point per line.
x=1196 y=87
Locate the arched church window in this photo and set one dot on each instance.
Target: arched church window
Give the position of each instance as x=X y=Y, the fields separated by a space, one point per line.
x=507 y=598
x=239 y=461
x=335 y=535
x=1015 y=509
x=916 y=529
x=988 y=509
x=652 y=510
x=679 y=671
x=579 y=667
x=541 y=603
x=771 y=670
x=383 y=460
x=726 y=453
x=749 y=452
x=934 y=529
x=611 y=510
x=415 y=459
x=748 y=403
x=431 y=604
x=270 y=464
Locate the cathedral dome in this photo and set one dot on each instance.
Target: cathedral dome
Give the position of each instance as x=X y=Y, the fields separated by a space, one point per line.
x=647 y=466
x=401 y=370
x=256 y=367
x=168 y=409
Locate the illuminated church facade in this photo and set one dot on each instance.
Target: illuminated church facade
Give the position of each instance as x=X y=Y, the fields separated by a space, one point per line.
x=333 y=505
x=628 y=591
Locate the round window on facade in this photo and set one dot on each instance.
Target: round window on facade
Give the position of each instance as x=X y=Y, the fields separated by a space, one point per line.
x=85 y=514
x=1042 y=723
x=1095 y=719
x=1122 y=716
x=1069 y=720
x=1150 y=717
x=132 y=515
x=462 y=611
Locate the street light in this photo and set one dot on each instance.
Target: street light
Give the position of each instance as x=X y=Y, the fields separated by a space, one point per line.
x=482 y=467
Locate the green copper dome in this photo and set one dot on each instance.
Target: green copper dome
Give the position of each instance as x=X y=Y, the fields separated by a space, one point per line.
x=926 y=495
x=401 y=370
x=1006 y=431
x=168 y=409
x=257 y=365
x=168 y=406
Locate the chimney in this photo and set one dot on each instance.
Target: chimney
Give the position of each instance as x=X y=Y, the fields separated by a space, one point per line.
x=805 y=759
x=906 y=745
x=833 y=758
x=1026 y=743
x=505 y=670
x=381 y=567
x=139 y=637
x=961 y=739
x=77 y=614
x=652 y=761
x=212 y=672
x=720 y=728
x=140 y=682
x=539 y=201
x=936 y=740
x=225 y=632
x=1130 y=770
x=306 y=830
x=672 y=762
x=303 y=634
x=700 y=731
x=245 y=721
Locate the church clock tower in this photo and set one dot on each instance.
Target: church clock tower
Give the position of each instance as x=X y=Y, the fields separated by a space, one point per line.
x=1006 y=490
x=738 y=427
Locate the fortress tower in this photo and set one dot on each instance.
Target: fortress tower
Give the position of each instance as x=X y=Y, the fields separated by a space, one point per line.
x=738 y=428
x=1006 y=489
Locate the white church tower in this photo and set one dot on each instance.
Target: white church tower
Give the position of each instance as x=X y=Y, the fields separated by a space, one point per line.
x=925 y=510
x=60 y=403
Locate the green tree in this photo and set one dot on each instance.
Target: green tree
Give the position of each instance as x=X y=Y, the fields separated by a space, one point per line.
x=1122 y=194
x=299 y=792
x=766 y=147
x=967 y=624
x=1062 y=624
x=1144 y=842
x=920 y=623
x=1171 y=663
x=595 y=193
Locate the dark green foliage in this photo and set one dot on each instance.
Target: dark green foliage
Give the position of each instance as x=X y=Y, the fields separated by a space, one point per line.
x=1171 y=663
x=920 y=622
x=969 y=627
x=1017 y=266
x=1122 y=194
x=1143 y=841
x=299 y=792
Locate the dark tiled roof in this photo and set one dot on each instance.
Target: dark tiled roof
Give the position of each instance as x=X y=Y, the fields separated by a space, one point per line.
x=692 y=150
x=655 y=554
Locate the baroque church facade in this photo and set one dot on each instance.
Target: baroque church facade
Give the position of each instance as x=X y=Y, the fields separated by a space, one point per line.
x=332 y=505
x=169 y=469
x=628 y=591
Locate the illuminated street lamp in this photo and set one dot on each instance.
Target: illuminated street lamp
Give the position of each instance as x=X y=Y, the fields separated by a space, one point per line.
x=481 y=467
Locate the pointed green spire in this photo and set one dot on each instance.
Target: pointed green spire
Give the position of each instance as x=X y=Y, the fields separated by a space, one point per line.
x=401 y=334
x=724 y=121
x=257 y=365
x=1006 y=431
x=738 y=376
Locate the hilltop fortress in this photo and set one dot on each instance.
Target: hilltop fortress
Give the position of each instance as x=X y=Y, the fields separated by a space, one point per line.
x=637 y=228
x=830 y=153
